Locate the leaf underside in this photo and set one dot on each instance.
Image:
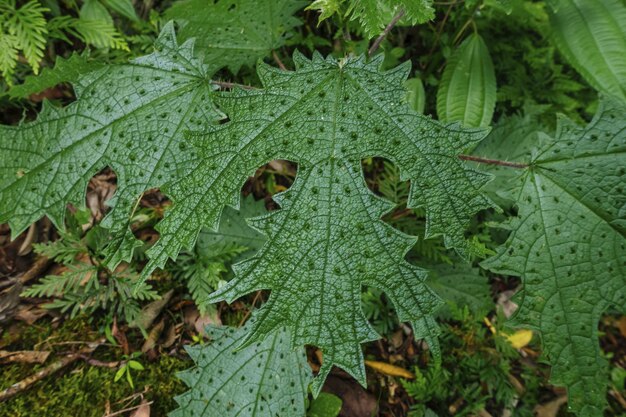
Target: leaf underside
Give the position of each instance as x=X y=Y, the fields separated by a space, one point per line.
x=235 y=33
x=327 y=241
x=267 y=379
x=568 y=243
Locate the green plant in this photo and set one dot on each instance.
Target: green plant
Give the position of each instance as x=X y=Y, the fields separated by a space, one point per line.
x=29 y=27
x=127 y=367
x=159 y=121
x=86 y=285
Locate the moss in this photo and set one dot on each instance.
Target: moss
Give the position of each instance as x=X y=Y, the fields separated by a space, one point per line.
x=84 y=390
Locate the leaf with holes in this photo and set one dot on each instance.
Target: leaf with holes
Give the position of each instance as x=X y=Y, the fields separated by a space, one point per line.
x=232 y=33
x=328 y=239
x=266 y=379
x=568 y=243
x=130 y=117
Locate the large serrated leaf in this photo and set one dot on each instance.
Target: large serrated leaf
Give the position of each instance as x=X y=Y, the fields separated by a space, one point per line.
x=328 y=241
x=129 y=117
x=569 y=246
x=467 y=92
x=592 y=36
x=267 y=379
x=232 y=33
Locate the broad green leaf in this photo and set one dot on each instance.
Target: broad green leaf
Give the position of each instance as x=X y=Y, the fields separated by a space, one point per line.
x=415 y=94
x=325 y=405
x=233 y=230
x=462 y=286
x=511 y=139
x=328 y=241
x=592 y=37
x=123 y=7
x=94 y=10
x=266 y=379
x=467 y=92
x=568 y=244
x=65 y=70
x=129 y=117
x=234 y=33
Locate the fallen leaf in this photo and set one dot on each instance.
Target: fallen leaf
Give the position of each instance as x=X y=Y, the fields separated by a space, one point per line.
x=211 y=318
x=520 y=338
x=153 y=336
x=143 y=410
x=504 y=301
x=550 y=409
x=24 y=356
x=150 y=312
x=388 y=369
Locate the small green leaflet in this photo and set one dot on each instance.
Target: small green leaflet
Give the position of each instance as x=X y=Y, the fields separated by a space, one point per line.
x=467 y=92
x=327 y=241
x=233 y=33
x=592 y=37
x=130 y=117
x=568 y=243
x=267 y=379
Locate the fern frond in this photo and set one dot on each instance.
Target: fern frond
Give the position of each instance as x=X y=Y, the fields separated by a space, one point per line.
x=8 y=56
x=100 y=34
x=28 y=25
x=68 y=282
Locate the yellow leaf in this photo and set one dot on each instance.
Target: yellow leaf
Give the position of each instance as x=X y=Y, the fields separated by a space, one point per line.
x=520 y=338
x=388 y=369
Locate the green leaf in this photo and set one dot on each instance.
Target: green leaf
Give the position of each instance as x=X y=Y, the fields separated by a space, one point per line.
x=123 y=7
x=461 y=285
x=415 y=94
x=467 y=92
x=374 y=15
x=100 y=33
x=65 y=70
x=325 y=405
x=94 y=10
x=263 y=380
x=568 y=244
x=328 y=241
x=129 y=117
x=24 y=29
x=511 y=139
x=233 y=33
x=592 y=37
x=233 y=231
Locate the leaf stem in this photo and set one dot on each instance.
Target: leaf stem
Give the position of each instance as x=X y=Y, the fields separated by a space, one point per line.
x=226 y=84
x=390 y=26
x=278 y=61
x=481 y=160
